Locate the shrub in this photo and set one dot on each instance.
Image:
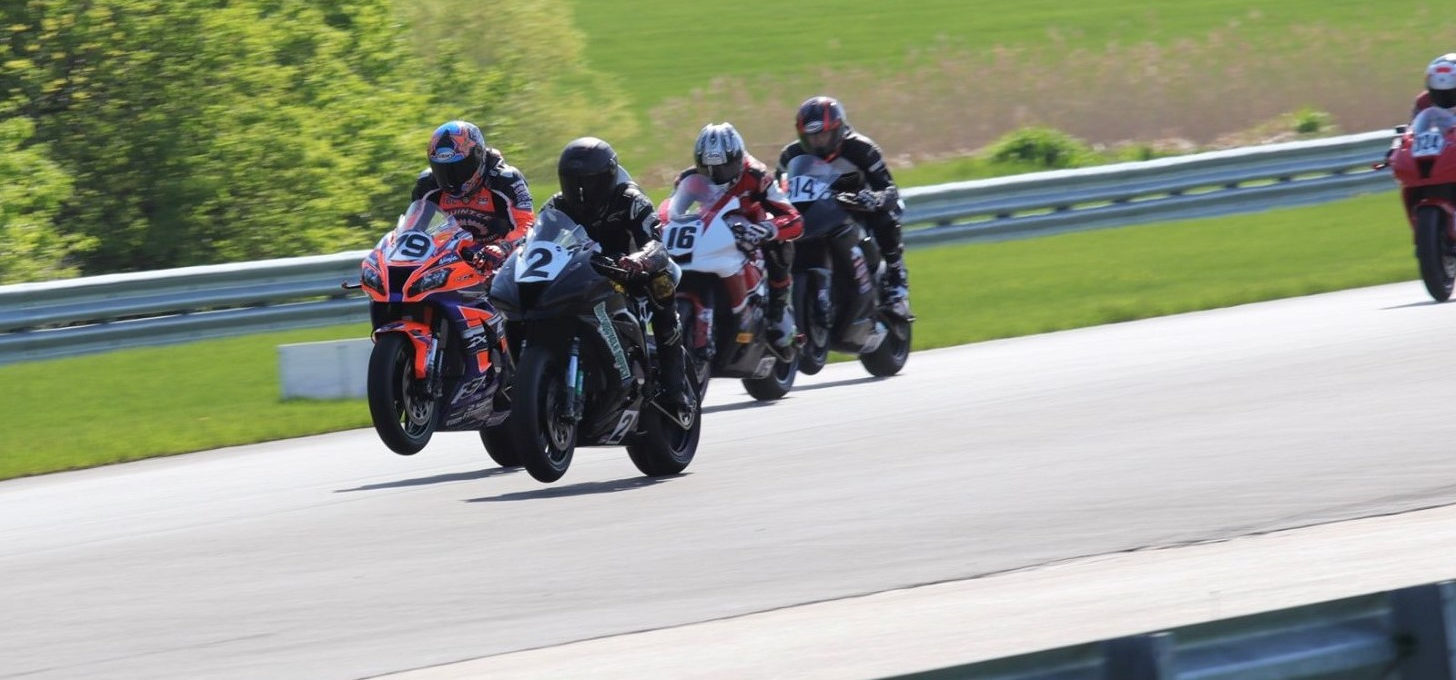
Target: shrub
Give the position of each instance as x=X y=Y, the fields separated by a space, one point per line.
x=1041 y=147
x=1308 y=121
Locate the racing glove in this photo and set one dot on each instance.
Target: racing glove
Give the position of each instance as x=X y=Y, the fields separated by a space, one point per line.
x=751 y=234
x=485 y=258
x=863 y=201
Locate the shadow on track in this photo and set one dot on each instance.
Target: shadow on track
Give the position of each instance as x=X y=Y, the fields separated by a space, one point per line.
x=436 y=479
x=579 y=489
x=807 y=388
x=837 y=383
x=1423 y=303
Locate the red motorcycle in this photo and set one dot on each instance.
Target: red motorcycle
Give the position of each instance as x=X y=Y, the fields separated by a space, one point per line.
x=1425 y=165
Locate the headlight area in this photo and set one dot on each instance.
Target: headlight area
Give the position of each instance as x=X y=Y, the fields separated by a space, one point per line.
x=371 y=280
x=430 y=281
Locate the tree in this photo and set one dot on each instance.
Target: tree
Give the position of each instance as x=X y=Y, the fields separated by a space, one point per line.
x=31 y=191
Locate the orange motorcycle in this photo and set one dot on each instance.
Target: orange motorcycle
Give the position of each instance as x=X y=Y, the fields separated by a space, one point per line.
x=440 y=361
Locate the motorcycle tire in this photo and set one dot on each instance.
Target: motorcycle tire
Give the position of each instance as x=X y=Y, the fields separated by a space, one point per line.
x=890 y=356
x=500 y=445
x=546 y=441
x=1433 y=252
x=663 y=447
x=404 y=425
x=777 y=383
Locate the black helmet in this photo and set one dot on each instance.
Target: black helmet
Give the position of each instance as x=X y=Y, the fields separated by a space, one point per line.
x=457 y=157
x=718 y=153
x=822 y=126
x=588 y=174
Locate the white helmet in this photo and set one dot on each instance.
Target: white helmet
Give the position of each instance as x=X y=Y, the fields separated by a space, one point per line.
x=1441 y=80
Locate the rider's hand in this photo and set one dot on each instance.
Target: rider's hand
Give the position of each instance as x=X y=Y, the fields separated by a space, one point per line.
x=751 y=234
x=486 y=258
x=864 y=201
x=631 y=268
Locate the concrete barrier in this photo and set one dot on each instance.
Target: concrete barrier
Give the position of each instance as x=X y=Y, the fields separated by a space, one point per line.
x=333 y=369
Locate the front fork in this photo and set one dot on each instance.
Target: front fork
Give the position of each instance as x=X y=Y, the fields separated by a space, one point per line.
x=429 y=347
x=576 y=396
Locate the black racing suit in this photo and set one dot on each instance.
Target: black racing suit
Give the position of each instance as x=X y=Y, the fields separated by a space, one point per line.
x=862 y=166
x=628 y=228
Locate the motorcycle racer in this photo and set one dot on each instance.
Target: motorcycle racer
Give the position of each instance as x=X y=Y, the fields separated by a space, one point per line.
x=866 y=186
x=599 y=195
x=719 y=155
x=473 y=183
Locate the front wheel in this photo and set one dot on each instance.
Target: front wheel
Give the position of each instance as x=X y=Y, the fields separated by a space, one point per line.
x=1433 y=252
x=539 y=422
x=403 y=415
x=815 y=352
x=890 y=356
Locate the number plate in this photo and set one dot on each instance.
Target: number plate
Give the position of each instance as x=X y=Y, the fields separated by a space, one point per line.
x=412 y=247
x=679 y=237
x=805 y=189
x=541 y=261
x=1428 y=143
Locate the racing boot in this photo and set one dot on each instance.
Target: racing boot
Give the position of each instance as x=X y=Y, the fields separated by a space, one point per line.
x=780 y=318
x=675 y=395
x=895 y=286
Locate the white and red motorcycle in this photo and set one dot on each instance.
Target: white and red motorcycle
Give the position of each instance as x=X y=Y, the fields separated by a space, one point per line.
x=723 y=296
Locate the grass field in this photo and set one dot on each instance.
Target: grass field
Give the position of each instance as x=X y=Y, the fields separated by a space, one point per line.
x=938 y=78
x=91 y=410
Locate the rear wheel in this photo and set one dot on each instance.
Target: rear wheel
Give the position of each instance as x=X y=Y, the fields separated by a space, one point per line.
x=403 y=415
x=500 y=445
x=539 y=423
x=777 y=383
x=1433 y=252
x=890 y=356
x=664 y=447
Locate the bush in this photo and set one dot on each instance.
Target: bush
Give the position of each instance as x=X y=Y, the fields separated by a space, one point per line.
x=1308 y=121
x=1040 y=147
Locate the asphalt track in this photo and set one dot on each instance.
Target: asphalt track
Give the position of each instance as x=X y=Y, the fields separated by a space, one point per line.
x=328 y=557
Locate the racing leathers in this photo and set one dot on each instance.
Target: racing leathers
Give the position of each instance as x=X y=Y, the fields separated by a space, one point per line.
x=498 y=213
x=866 y=188
x=627 y=231
x=775 y=224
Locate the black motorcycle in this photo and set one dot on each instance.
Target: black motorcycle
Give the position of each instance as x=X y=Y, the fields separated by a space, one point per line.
x=837 y=274
x=585 y=361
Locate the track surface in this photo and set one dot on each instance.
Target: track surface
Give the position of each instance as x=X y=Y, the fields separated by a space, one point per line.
x=328 y=557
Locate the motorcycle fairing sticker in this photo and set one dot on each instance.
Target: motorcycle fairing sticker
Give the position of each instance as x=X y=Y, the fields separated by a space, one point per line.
x=609 y=333
x=624 y=426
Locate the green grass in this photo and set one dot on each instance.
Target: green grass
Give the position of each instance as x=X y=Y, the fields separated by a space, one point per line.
x=107 y=408
x=666 y=48
x=91 y=410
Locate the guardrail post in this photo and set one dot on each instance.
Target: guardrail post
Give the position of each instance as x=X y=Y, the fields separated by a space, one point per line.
x=1423 y=620
x=1139 y=657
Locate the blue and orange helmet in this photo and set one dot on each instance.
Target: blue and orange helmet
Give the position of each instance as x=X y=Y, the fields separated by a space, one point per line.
x=822 y=126
x=457 y=157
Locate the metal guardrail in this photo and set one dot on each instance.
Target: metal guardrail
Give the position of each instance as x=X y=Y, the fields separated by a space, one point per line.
x=1196 y=185
x=1407 y=633
x=77 y=316
x=98 y=313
